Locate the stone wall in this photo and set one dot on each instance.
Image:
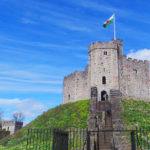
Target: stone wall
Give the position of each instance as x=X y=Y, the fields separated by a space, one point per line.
x=131 y=77
x=11 y=126
x=76 y=87
x=135 y=78
x=121 y=139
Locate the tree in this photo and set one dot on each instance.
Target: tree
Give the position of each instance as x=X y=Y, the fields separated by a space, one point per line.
x=18 y=116
x=1 y=114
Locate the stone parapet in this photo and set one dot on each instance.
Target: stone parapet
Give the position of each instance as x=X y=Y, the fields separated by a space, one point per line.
x=105 y=45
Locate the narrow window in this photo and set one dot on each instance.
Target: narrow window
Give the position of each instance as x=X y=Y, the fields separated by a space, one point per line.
x=8 y=129
x=105 y=52
x=104 y=80
x=134 y=71
x=69 y=97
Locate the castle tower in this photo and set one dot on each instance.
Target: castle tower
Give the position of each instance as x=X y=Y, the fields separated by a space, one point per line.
x=104 y=67
x=12 y=126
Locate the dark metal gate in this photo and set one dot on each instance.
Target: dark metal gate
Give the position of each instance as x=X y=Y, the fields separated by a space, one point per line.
x=60 y=140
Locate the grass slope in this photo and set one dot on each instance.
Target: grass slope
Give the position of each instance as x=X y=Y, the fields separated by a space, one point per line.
x=63 y=116
x=76 y=115
x=136 y=112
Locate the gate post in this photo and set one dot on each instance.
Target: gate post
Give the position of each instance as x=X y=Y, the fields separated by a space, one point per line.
x=133 y=146
x=88 y=140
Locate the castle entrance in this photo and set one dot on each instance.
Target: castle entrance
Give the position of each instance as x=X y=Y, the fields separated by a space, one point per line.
x=104 y=96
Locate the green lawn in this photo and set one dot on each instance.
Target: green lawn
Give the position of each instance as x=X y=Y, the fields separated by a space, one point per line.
x=136 y=112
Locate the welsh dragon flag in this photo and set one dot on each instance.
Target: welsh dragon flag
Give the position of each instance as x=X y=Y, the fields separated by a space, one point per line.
x=109 y=21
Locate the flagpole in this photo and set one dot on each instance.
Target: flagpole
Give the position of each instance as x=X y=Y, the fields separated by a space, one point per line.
x=114 y=27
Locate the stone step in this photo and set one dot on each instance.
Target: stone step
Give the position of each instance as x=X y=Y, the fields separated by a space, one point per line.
x=105 y=144
x=107 y=141
x=108 y=138
x=105 y=148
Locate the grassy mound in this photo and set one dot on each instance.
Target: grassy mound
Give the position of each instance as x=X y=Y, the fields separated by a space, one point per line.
x=63 y=116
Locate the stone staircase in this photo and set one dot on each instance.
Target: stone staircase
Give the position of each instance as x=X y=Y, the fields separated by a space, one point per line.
x=105 y=116
x=105 y=137
x=105 y=140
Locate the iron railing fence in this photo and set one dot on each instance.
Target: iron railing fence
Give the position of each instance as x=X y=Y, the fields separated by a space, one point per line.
x=39 y=139
x=56 y=139
x=80 y=139
x=142 y=137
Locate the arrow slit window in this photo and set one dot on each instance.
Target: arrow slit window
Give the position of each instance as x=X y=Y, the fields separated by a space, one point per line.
x=103 y=80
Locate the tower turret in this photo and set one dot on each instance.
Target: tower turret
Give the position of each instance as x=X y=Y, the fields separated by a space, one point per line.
x=104 y=66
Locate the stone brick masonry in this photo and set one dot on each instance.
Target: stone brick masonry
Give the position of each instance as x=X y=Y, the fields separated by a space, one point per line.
x=109 y=69
x=12 y=126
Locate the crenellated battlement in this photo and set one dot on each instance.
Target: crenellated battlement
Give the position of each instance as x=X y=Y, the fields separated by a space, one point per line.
x=8 y=123
x=113 y=44
x=137 y=61
x=75 y=73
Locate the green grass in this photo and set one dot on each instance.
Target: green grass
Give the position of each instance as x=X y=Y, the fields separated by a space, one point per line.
x=63 y=116
x=76 y=115
x=136 y=113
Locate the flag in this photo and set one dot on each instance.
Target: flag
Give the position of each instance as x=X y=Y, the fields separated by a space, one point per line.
x=109 y=21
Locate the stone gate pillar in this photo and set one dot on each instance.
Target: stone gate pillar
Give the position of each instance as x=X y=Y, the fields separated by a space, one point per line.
x=92 y=112
x=121 y=140
x=92 y=120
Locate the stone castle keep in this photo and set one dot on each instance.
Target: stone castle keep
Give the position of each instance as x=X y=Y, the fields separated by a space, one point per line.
x=109 y=69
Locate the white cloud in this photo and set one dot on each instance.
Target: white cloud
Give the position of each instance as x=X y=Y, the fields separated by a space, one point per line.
x=31 y=79
x=143 y=54
x=7 y=86
x=9 y=101
x=99 y=7
x=49 y=45
x=29 y=107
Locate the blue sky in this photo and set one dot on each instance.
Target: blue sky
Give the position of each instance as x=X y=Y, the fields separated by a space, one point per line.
x=41 y=41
